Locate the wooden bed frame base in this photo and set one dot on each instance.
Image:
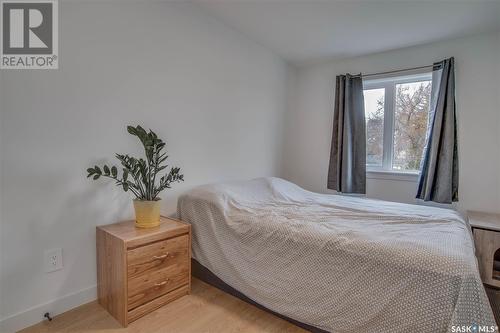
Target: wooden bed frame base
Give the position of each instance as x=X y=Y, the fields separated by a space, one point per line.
x=204 y=274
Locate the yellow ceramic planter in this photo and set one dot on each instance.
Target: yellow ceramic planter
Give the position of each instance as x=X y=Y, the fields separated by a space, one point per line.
x=147 y=213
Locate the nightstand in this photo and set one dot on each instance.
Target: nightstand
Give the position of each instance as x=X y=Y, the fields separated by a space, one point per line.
x=139 y=270
x=486 y=230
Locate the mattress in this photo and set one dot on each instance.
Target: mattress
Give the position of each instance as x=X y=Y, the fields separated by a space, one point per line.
x=339 y=263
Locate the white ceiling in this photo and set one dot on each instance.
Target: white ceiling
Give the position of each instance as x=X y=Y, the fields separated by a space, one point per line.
x=312 y=30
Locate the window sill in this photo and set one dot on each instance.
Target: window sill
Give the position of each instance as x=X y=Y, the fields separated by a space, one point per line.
x=392 y=175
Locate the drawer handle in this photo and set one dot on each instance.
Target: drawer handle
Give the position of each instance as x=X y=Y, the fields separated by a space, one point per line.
x=160 y=257
x=159 y=284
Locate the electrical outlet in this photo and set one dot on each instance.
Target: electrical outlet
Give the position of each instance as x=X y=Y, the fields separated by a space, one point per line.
x=53 y=260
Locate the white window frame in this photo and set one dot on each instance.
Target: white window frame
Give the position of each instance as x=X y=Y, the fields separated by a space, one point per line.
x=388 y=83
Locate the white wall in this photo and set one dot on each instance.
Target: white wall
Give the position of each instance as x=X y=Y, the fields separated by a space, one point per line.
x=217 y=99
x=308 y=130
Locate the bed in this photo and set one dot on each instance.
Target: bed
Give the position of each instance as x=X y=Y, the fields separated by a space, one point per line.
x=338 y=263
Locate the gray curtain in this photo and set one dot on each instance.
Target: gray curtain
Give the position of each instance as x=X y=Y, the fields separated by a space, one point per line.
x=438 y=180
x=347 y=169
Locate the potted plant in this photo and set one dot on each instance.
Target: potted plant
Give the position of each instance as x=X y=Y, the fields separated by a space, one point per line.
x=141 y=176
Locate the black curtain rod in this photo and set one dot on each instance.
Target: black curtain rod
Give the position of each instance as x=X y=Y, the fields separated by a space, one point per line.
x=394 y=71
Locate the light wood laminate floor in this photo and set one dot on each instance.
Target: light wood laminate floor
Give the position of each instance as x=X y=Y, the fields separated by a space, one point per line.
x=206 y=310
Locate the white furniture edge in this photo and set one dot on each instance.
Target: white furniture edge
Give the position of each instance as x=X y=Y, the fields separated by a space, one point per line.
x=34 y=315
x=484 y=220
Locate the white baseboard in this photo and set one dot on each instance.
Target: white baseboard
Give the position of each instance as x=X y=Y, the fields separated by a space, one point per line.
x=35 y=314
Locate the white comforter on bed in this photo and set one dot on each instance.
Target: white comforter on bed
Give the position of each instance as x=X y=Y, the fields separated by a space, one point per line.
x=339 y=263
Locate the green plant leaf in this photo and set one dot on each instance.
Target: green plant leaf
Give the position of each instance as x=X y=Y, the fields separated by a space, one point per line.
x=142 y=172
x=131 y=130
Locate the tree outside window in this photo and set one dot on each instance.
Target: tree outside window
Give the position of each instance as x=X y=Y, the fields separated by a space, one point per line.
x=396 y=111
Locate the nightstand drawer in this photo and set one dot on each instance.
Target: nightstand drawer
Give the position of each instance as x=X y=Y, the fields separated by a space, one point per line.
x=151 y=285
x=156 y=256
x=157 y=302
x=486 y=230
x=488 y=255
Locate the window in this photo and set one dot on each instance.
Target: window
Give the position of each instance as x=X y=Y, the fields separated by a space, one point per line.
x=396 y=111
